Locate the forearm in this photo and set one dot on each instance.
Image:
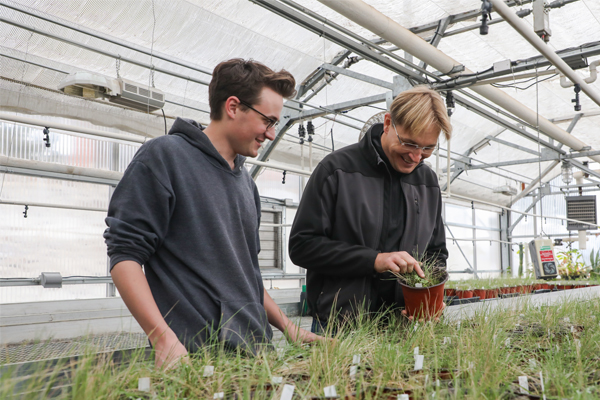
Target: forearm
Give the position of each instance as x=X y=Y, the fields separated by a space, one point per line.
x=133 y=287
x=275 y=315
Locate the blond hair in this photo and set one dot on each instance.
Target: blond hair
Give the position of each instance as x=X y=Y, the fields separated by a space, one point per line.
x=419 y=108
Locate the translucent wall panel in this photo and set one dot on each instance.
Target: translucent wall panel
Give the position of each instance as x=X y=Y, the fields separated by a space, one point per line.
x=26 y=142
x=458 y=214
x=270 y=184
x=68 y=241
x=488 y=253
x=457 y=260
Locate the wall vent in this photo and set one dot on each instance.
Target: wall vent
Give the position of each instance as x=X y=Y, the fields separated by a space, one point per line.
x=581 y=208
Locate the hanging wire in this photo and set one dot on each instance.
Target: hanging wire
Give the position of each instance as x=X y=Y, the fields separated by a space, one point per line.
x=537 y=127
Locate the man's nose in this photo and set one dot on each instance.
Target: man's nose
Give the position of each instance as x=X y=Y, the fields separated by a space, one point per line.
x=270 y=133
x=415 y=156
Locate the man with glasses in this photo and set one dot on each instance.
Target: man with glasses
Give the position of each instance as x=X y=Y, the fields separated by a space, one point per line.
x=189 y=212
x=369 y=208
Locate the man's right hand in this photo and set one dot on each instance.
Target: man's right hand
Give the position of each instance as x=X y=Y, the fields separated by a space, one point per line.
x=399 y=262
x=168 y=350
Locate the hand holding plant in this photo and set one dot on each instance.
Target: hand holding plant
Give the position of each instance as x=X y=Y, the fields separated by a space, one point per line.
x=399 y=262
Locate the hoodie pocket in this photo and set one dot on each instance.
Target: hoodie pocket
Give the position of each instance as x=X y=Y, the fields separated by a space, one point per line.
x=244 y=325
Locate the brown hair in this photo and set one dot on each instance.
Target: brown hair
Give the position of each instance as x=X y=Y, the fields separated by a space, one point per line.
x=245 y=79
x=419 y=108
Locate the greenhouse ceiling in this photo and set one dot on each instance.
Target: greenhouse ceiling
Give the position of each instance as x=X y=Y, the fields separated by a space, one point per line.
x=513 y=122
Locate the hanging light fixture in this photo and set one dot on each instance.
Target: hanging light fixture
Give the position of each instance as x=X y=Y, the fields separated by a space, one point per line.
x=566 y=172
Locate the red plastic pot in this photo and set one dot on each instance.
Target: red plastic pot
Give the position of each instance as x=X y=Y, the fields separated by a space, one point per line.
x=545 y=286
x=424 y=302
x=492 y=293
x=481 y=293
x=450 y=292
x=464 y=294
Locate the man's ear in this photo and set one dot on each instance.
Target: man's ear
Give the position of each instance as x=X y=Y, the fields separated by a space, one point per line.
x=231 y=107
x=387 y=122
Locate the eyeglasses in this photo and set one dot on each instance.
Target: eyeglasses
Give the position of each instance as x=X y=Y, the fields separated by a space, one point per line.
x=271 y=122
x=412 y=146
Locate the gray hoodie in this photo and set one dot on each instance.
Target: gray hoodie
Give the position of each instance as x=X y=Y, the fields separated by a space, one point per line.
x=192 y=222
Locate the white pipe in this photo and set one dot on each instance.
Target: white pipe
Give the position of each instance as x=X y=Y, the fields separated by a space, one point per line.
x=448 y=172
x=525 y=30
x=564 y=82
x=535 y=182
x=59 y=168
x=579 y=175
x=70 y=128
x=373 y=20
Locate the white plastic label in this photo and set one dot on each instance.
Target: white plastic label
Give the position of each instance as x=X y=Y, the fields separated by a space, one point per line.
x=524 y=385
x=532 y=363
x=330 y=391
x=573 y=329
x=416 y=351
x=209 y=370
x=403 y=397
x=288 y=392
x=567 y=319
x=458 y=325
x=276 y=380
x=356 y=359
x=507 y=342
x=419 y=362
x=419 y=285
x=416 y=327
x=144 y=384
x=542 y=384
x=447 y=340
x=220 y=395
x=353 y=370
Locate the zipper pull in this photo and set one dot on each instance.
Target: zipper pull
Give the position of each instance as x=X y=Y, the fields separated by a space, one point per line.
x=417 y=205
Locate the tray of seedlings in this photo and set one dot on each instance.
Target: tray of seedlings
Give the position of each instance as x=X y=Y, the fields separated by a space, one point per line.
x=525 y=352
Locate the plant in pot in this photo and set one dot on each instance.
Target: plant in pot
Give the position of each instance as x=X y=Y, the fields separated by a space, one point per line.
x=571 y=264
x=594 y=264
x=424 y=297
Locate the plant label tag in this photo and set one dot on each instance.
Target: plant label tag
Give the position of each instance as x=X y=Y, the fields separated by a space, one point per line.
x=220 y=395
x=437 y=383
x=532 y=363
x=573 y=329
x=353 y=370
x=419 y=362
x=447 y=340
x=144 y=384
x=567 y=319
x=458 y=325
x=416 y=351
x=356 y=359
x=330 y=391
x=276 y=380
x=507 y=342
x=542 y=384
x=416 y=327
x=419 y=285
x=209 y=370
x=280 y=352
x=426 y=380
x=523 y=385
x=403 y=397
x=287 y=393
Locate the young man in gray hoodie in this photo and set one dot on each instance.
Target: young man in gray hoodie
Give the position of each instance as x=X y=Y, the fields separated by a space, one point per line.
x=189 y=212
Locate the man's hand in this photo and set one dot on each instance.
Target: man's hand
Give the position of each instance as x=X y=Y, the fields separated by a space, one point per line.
x=398 y=262
x=296 y=334
x=168 y=351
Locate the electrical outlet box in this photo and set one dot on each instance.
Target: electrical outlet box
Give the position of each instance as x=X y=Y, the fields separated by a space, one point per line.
x=501 y=66
x=542 y=256
x=541 y=20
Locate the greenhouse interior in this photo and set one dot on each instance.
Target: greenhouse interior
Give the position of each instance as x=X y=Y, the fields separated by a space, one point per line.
x=186 y=212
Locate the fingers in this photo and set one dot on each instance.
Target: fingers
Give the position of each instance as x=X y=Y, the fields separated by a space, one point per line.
x=418 y=270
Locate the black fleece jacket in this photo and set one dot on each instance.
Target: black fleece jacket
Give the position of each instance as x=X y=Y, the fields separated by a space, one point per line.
x=192 y=222
x=341 y=226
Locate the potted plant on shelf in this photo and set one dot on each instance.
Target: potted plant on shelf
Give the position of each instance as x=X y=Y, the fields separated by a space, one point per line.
x=571 y=264
x=424 y=297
